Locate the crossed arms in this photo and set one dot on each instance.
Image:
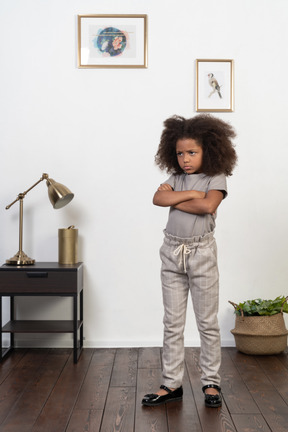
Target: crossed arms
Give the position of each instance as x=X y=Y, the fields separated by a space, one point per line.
x=190 y=201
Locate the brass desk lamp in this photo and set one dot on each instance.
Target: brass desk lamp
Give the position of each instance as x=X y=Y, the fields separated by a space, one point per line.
x=59 y=196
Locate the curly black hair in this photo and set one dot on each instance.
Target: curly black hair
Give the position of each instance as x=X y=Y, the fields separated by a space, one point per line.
x=211 y=133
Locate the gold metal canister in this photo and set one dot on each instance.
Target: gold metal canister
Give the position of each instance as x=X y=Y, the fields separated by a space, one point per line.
x=68 y=245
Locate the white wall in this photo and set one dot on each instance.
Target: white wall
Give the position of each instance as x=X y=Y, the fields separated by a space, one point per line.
x=97 y=131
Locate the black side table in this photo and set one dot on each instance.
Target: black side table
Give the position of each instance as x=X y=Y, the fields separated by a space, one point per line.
x=43 y=279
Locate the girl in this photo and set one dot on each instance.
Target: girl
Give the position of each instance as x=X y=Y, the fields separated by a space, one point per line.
x=199 y=154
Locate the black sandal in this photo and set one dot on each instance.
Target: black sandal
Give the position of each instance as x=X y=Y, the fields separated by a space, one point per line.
x=171 y=396
x=212 y=401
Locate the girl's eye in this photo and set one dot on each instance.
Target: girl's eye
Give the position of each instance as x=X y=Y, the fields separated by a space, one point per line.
x=179 y=153
x=192 y=153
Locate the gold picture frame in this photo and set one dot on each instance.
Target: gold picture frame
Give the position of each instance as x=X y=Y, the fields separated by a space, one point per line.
x=214 y=85
x=112 y=41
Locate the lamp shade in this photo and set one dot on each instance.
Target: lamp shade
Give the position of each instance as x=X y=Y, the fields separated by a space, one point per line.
x=59 y=195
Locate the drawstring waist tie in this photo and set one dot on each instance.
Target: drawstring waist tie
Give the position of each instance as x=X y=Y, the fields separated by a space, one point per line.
x=185 y=246
x=182 y=250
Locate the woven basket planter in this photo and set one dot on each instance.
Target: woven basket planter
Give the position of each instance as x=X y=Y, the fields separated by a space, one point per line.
x=260 y=335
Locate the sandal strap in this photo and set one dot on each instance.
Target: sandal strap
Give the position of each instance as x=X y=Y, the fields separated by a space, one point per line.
x=163 y=387
x=211 y=386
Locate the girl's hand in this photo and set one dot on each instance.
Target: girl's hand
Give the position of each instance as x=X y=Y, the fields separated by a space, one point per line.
x=200 y=194
x=165 y=187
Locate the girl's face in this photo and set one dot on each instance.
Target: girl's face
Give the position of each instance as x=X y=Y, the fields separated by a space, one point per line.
x=189 y=154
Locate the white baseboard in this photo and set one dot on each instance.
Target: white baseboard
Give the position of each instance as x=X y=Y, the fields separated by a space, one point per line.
x=65 y=343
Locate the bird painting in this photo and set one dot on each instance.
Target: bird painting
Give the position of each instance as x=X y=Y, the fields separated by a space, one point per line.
x=214 y=84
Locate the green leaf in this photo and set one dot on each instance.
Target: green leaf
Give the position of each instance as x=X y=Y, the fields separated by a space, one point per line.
x=259 y=307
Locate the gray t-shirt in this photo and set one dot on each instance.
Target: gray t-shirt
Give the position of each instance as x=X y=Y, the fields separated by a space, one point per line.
x=187 y=225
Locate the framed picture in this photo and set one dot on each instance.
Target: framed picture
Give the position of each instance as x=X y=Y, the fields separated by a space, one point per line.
x=214 y=85
x=112 y=41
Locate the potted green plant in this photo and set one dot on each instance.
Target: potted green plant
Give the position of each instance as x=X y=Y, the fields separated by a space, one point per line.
x=260 y=327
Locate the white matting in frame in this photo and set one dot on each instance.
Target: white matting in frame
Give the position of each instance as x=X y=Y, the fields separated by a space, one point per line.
x=214 y=85
x=112 y=41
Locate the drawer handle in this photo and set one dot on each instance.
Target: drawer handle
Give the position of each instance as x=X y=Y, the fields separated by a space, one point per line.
x=37 y=274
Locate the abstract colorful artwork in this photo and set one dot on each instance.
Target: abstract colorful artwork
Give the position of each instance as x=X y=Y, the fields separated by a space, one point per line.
x=112 y=41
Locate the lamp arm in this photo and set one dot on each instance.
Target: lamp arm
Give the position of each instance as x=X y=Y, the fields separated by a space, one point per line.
x=22 y=195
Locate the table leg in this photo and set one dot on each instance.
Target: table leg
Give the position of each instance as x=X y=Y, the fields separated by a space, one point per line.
x=75 y=317
x=81 y=319
x=5 y=351
x=12 y=319
x=1 y=328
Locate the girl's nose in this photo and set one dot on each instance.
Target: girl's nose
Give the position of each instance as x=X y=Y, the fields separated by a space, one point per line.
x=186 y=157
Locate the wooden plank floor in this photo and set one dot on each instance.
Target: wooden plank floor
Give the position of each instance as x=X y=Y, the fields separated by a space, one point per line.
x=42 y=390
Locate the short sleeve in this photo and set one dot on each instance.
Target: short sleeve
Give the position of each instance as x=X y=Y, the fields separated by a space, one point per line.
x=219 y=182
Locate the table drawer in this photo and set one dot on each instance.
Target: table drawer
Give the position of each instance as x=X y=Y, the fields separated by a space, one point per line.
x=38 y=281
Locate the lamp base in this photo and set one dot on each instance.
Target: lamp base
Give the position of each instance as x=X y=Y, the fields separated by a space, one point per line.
x=20 y=258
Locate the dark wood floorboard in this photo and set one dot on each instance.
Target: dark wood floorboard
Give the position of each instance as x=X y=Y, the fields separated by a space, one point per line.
x=42 y=390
